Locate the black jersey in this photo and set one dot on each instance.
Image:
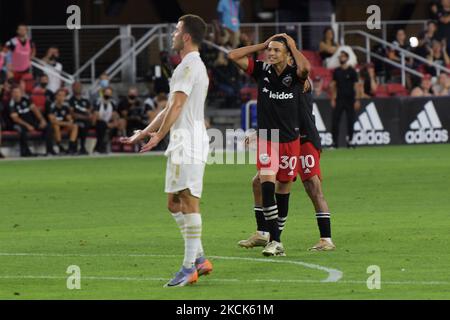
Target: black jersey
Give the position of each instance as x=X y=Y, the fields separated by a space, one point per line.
x=60 y=112
x=23 y=109
x=307 y=121
x=80 y=106
x=278 y=99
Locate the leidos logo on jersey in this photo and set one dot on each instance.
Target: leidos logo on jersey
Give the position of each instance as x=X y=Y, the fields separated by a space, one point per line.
x=325 y=137
x=278 y=95
x=427 y=128
x=369 y=129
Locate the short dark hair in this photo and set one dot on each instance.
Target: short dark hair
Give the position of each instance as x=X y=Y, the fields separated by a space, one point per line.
x=195 y=26
x=283 y=41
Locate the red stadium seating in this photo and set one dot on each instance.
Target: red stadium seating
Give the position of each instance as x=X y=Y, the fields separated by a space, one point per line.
x=324 y=73
x=381 y=91
x=396 y=89
x=248 y=93
x=313 y=57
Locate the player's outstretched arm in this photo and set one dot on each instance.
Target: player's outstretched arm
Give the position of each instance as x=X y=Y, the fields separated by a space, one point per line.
x=141 y=134
x=172 y=114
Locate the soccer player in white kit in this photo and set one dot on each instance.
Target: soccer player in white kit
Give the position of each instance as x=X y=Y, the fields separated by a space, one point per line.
x=189 y=144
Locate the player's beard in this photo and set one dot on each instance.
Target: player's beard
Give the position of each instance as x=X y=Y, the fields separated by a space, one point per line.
x=178 y=45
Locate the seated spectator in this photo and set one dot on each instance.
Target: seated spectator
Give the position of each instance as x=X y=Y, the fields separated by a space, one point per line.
x=425 y=89
x=160 y=74
x=52 y=59
x=330 y=51
x=104 y=84
x=226 y=78
x=2 y=125
x=22 y=51
x=443 y=16
x=60 y=117
x=402 y=43
x=438 y=55
x=368 y=81
x=27 y=118
x=328 y=45
x=153 y=106
x=318 y=92
x=442 y=88
x=41 y=95
x=106 y=117
x=132 y=111
x=81 y=112
x=426 y=39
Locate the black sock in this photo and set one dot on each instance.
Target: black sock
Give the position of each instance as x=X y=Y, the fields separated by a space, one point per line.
x=323 y=221
x=270 y=210
x=260 y=221
x=283 y=208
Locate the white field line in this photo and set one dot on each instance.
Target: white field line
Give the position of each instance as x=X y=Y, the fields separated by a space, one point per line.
x=334 y=275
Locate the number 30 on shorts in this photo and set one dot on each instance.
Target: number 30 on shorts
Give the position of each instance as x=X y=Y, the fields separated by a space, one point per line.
x=288 y=162
x=307 y=161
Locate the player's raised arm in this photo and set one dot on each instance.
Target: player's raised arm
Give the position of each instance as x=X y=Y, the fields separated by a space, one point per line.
x=303 y=65
x=172 y=114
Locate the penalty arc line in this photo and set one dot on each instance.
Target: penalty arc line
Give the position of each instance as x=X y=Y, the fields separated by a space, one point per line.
x=334 y=275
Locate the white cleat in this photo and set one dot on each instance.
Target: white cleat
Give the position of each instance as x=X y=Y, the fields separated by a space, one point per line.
x=274 y=248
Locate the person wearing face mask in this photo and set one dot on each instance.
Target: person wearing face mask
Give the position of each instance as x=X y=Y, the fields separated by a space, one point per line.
x=106 y=117
x=344 y=98
x=132 y=112
x=52 y=59
x=41 y=95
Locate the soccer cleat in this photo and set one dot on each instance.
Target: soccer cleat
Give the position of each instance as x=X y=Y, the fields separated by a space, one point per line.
x=255 y=240
x=203 y=266
x=323 y=245
x=183 y=277
x=274 y=248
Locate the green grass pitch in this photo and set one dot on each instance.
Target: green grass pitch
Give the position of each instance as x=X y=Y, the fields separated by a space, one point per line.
x=390 y=207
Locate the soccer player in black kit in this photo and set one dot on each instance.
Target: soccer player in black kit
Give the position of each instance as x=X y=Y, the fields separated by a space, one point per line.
x=279 y=86
x=309 y=171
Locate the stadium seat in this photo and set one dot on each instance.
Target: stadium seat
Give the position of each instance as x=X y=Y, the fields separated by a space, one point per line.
x=381 y=91
x=29 y=83
x=396 y=89
x=248 y=93
x=324 y=73
x=313 y=57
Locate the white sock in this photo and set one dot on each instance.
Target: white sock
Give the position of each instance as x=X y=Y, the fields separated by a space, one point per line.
x=179 y=219
x=263 y=233
x=327 y=239
x=192 y=242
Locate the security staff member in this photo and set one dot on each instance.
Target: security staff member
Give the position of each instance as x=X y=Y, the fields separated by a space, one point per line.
x=344 y=98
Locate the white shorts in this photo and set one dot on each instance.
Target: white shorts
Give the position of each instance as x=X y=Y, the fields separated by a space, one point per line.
x=184 y=176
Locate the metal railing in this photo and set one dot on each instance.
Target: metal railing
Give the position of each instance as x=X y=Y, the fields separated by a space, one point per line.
x=91 y=61
x=131 y=53
x=403 y=53
x=50 y=70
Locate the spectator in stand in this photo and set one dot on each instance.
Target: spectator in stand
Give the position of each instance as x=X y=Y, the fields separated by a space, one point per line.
x=81 y=112
x=2 y=63
x=437 y=55
x=104 y=84
x=41 y=95
x=2 y=125
x=444 y=22
x=426 y=39
x=328 y=45
x=162 y=74
x=344 y=98
x=27 y=118
x=22 y=51
x=401 y=42
x=154 y=106
x=425 y=89
x=52 y=59
x=132 y=111
x=442 y=88
x=228 y=12
x=60 y=117
x=106 y=117
x=433 y=9
x=368 y=81
x=226 y=78
x=330 y=51
x=318 y=92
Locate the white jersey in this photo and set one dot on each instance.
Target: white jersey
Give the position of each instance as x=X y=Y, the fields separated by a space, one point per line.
x=188 y=136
